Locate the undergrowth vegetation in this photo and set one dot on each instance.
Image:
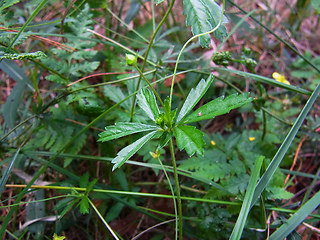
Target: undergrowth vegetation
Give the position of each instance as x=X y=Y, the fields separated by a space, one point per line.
x=159 y=119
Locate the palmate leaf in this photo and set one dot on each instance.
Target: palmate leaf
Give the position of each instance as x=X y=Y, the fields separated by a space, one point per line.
x=124 y=129
x=147 y=102
x=190 y=139
x=128 y=151
x=203 y=16
x=218 y=107
x=194 y=97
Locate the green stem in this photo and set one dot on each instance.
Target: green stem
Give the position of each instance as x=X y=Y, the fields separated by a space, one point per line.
x=176 y=179
x=174 y=200
x=13 y=129
x=147 y=53
x=103 y=220
x=149 y=84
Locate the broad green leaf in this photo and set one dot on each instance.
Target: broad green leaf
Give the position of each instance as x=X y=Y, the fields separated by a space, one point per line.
x=218 y=107
x=194 y=97
x=116 y=95
x=273 y=166
x=294 y=221
x=10 y=108
x=128 y=151
x=123 y=129
x=190 y=139
x=315 y=4
x=203 y=16
x=245 y=209
x=147 y=101
x=35 y=211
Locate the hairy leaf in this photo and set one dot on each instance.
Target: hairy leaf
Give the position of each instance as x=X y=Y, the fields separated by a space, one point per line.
x=16 y=56
x=218 y=107
x=190 y=139
x=116 y=95
x=84 y=205
x=124 y=129
x=194 y=97
x=203 y=16
x=128 y=151
x=147 y=102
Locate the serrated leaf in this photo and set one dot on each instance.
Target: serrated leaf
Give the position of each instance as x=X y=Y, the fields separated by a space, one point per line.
x=203 y=16
x=190 y=139
x=218 y=107
x=5 y=4
x=84 y=205
x=194 y=97
x=147 y=101
x=123 y=129
x=116 y=95
x=128 y=151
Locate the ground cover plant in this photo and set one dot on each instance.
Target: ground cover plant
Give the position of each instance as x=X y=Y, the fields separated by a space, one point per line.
x=159 y=119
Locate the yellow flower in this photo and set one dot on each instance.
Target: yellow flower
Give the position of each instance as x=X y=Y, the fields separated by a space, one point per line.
x=280 y=78
x=155 y=154
x=252 y=138
x=56 y=237
x=213 y=143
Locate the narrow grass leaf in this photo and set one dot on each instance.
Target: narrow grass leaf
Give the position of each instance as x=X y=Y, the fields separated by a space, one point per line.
x=218 y=107
x=194 y=97
x=294 y=221
x=6 y=174
x=122 y=129
x=147 y=101
x=245 y=209
x=128 y=151
x=266 y=80
x=284 y=146
x=190 y=139
x=12 y=103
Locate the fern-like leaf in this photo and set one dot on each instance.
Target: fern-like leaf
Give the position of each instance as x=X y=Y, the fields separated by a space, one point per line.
x=203 y=16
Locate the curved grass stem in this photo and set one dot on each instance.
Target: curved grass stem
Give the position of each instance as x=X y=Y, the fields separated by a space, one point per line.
x=186 y=44
x=147 y=53
x=103 y=220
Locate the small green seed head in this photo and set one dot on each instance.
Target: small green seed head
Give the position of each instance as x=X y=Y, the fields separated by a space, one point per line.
x=131 y=59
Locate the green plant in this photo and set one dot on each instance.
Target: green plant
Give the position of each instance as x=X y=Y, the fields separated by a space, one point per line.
x=226 y=178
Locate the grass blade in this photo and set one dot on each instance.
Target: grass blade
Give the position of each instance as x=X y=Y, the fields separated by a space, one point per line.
x=297 y=218
x=245 y=209
x=7 y=172
x=284 y=146
x=265 y=80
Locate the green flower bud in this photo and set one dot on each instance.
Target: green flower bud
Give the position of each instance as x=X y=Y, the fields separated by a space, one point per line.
x=131 y=59
x=222 y=58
